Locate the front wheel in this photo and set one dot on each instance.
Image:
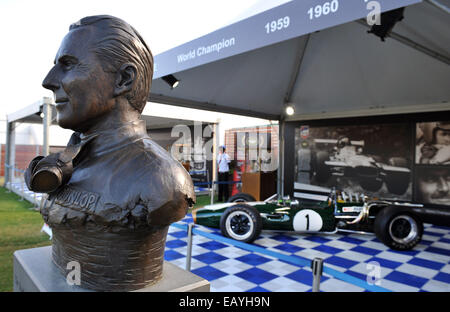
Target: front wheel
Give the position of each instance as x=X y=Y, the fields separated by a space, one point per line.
x=241 y=222
x=397 y=228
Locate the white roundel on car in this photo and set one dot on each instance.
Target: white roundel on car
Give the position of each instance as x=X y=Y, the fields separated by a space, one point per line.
x=307 y=220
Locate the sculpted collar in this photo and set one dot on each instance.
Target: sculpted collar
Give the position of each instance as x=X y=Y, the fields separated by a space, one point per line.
x=107 y=141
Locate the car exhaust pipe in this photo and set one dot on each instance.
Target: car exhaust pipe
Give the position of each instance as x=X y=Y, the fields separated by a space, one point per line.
x=364 y=214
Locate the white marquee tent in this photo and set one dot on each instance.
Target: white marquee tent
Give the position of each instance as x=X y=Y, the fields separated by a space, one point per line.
x=337 y=70
x=324 y=65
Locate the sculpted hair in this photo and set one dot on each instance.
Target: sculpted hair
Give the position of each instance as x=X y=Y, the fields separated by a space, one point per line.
x=120 y=43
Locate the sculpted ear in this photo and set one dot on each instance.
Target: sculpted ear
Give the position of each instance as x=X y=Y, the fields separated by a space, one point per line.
x=124 y=79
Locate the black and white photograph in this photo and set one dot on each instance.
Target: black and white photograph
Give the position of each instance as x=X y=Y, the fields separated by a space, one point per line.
x=433 y=143
x=433 y=185
x=370 y=159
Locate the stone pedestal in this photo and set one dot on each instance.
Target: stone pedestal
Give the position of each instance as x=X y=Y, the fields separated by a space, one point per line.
x=35 y=271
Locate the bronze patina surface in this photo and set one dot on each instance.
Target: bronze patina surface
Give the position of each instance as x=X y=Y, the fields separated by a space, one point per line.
x=113 y=192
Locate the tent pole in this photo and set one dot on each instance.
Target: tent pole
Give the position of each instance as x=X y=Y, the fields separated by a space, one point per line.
x=282 y=122
x=46 y=122
x=214 y=160
x=10 y=152
x=280 y=171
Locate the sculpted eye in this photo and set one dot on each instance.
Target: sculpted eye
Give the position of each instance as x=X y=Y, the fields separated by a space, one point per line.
x=67 y=63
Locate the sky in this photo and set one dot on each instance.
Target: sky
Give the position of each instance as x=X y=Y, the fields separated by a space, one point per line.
x=31 y=32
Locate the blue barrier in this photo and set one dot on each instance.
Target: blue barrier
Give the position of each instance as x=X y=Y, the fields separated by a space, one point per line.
x=299 y=261
x=217 y=182
x=197 y=171
x=14 y=168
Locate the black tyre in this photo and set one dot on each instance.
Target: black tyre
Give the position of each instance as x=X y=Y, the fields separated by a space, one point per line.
x=322 y=171
x=241 y=198
x=371 y=184
x=397 y=182
x=241 y=222
x=398 y=228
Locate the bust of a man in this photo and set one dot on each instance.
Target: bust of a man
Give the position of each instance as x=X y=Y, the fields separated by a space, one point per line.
x=113 y=192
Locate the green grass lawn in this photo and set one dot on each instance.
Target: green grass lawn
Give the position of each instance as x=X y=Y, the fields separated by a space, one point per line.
x=203 y=200
x=19 y=229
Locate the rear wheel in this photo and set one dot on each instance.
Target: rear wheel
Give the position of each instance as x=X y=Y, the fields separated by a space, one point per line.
x=397 y=228
x=241 y=222
x=240 y=198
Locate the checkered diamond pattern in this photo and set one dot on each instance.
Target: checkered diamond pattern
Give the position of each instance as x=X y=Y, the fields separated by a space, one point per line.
x=232 y=269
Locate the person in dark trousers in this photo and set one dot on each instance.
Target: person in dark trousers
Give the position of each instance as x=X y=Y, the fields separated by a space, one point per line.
x=223 y=162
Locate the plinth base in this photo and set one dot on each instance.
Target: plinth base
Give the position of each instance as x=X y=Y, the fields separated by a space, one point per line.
x=35 y=271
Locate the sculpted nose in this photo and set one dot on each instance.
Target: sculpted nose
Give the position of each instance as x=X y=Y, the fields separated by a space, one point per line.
x=50 y=81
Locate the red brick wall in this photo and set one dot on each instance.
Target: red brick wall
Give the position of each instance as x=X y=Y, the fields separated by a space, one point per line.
x=24 y=154
x=230 y=137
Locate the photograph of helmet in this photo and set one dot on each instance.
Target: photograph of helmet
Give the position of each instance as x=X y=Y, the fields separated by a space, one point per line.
x=433 y=143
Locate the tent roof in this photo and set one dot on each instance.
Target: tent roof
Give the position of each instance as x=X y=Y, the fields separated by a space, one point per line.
x=333 y=68
x=31 y=114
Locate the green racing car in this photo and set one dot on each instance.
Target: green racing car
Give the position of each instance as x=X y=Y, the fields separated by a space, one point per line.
x=316 y=210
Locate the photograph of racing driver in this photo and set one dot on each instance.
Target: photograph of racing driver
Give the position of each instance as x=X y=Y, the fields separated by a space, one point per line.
x=433 y=143
x=433 y=185
x=374 y=159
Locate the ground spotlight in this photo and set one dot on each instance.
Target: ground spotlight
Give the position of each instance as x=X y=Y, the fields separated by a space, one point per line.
x=171 y=81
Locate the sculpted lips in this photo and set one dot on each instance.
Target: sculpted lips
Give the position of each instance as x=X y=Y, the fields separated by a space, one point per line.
x=61 y=101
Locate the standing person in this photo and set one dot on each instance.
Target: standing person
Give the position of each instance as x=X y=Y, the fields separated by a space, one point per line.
x=223 y=162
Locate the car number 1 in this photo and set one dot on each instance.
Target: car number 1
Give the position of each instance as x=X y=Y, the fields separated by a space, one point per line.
x=307 y=220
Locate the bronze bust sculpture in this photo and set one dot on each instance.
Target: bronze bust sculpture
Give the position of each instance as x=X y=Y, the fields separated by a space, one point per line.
x=113 y=192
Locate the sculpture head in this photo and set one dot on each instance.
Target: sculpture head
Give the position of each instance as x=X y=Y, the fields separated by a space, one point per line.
x=103 y=65
x=101 y=80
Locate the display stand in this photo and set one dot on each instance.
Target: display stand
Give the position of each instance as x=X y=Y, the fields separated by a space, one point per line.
x=34 y=271
x=260 y=185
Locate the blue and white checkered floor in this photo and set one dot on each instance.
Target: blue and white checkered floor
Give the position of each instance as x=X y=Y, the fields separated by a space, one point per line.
x=232 y=269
